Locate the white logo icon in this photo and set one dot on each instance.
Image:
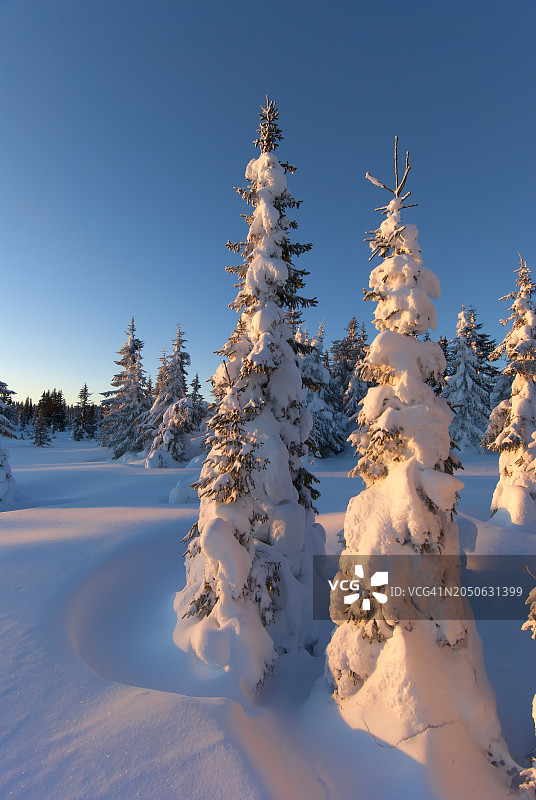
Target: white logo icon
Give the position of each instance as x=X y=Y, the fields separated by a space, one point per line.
x=378 y=579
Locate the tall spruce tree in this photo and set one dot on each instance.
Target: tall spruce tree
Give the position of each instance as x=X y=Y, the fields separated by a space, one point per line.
x=382 y=659
x=512 y=428
x=467 y=390
x=126 y=406
x=249 y=558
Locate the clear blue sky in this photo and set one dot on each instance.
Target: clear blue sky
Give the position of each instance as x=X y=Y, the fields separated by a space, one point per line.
x=126 y=123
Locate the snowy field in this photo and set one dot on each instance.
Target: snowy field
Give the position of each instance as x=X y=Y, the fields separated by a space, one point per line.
x=98 y=703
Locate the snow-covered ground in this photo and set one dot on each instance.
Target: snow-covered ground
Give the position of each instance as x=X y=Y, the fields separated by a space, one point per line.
x=97 y=702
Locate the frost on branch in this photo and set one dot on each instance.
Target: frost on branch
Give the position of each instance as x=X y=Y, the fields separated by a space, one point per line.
x=249 y=558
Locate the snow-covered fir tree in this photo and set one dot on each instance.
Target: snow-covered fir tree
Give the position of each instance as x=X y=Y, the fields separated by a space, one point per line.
x=345 y=359
x=58 y=411
x=483 y=346
x=357 y=387
x=467 y=391
x=501 y=391
x=199 y=405
x=7 y=424
x=7 y=481
x=161 y=375
x=529 y=775
x=171 y=383
x=294 y=319
x=249 y=559
x=41 y=433
x=530 y=624
x=126 y=405
x=445 y=346
x=7 y=429
x=328 y=434
x=25 y=412
x=171 y=444
x=169 y=420
x=512 y=428
x=381 y=662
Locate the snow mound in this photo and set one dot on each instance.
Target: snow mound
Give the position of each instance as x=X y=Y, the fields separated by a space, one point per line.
x=183 y=492
x=514 y=505
x=429 y=701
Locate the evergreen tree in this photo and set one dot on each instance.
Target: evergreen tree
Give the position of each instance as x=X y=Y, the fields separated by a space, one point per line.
x=7 y=429
x=328 y=434
x=171 y=385
x=346 y=356
x=483 y=346
x=7 y=424
x=294 y=319
x=7 y=482
x=357 y=387
x=58 y=411
x=529 y=775
x=438 y=382
x=199 y=406
x=42 y=434
x=406 y=509
x=530 y=624
x=444 y=344
x=85 y=417
x=53 y=408
x=125 y=407
x=25 y=415
x=170 y=443
x=501 y=391
x=249 y=557
x=161 y=376
x=512 y=429
x=467 y=391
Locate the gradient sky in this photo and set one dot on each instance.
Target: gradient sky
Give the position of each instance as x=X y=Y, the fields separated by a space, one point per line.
x=125 y=125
